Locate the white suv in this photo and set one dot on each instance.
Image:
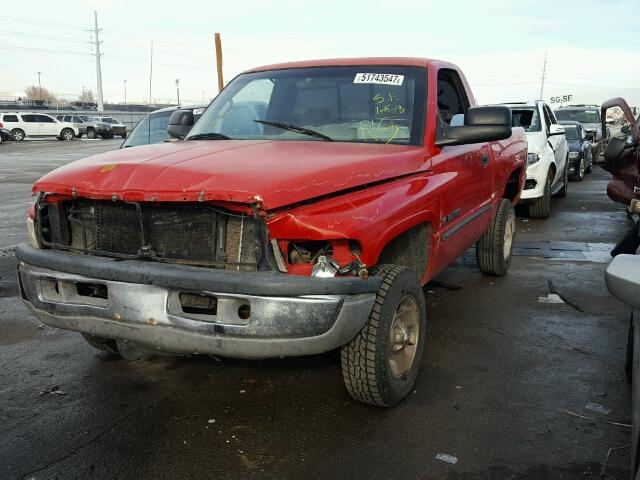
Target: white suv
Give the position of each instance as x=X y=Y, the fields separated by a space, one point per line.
x=28 y=124
x=547 y=161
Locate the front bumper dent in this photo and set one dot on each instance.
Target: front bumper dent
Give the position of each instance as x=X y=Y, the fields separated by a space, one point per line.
x=148 y=311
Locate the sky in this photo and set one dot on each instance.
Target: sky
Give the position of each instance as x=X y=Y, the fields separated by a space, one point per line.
x=592 y=46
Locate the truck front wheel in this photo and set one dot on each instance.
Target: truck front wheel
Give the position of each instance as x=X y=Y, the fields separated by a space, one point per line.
x=380 y=365
x=494 y=249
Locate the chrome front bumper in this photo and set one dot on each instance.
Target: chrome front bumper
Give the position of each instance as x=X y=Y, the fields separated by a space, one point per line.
x=152 y=315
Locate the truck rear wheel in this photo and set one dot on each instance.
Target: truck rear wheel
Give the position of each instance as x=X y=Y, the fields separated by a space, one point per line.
x=494 y=249
x=105 y=344
x=380 y=365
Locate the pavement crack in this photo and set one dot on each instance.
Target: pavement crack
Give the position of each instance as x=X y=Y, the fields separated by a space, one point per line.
x=552 y=289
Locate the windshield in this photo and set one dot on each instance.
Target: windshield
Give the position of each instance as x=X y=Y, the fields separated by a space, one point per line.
x=370 y=104
x=527 y=118
x=87 y=118
x=571 y=132
x=151 y=129
x=582 y=116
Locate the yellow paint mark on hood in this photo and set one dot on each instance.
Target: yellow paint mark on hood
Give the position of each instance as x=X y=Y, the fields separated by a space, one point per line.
x=108 y=168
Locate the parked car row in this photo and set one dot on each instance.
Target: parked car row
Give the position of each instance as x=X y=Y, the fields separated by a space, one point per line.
x=21 y=125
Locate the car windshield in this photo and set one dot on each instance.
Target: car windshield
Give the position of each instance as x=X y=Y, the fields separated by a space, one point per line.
x=582 y=116
x=151 y=129
x=571 y=132
x=368 y=104
x=527 y=118
x=87 y=118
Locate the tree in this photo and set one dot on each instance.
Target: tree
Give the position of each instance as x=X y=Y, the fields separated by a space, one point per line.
x=86 y=97
x=34 y=92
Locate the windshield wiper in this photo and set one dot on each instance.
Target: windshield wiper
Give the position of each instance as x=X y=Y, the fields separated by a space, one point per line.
x=209 y=136
x=295 y=128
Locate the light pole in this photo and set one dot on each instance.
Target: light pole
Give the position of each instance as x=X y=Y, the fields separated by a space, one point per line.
x=178 y=89
x=125 y=94
x=40 y=86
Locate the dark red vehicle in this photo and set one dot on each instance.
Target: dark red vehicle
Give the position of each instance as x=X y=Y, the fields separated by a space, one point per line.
x=622 y=159
x=302 y=213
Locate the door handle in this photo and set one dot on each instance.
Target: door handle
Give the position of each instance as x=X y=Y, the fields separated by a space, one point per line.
x=484 y=160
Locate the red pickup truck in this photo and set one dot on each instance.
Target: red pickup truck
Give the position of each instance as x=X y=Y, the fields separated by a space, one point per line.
x=302 y=213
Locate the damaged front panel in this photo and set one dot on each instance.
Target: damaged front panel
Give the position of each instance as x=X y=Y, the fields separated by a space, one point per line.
x=188 y=233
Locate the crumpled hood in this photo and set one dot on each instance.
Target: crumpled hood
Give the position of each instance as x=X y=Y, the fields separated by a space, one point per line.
x=274 y=173
x=591 y=127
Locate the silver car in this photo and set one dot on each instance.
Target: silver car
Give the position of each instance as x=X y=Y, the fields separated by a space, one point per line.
x=90 y=126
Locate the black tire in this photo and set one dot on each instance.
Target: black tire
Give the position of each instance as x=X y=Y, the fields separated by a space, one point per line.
x=124 y=135
x=562 y=193
x=628 y=363
x=105 y=344
x=495 y=247
x=580 y=172
x=18 y=134
x=367 y=360
x=67 y=134
x=107 y=136
x=541 y=208
x=91 y=133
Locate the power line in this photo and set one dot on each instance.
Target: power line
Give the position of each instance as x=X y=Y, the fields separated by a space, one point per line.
x=41 y=36
x=31 y=21
x=43 y=50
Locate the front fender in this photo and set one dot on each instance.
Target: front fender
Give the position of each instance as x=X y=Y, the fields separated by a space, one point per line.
x=373 y=216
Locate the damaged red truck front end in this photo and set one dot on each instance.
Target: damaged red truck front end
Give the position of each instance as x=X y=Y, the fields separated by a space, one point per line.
x=302 y=213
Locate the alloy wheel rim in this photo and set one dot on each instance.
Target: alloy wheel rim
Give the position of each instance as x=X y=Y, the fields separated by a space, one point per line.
x=403 y=336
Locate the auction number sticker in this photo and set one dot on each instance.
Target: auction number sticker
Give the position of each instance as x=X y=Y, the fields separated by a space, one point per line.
x=381 y=78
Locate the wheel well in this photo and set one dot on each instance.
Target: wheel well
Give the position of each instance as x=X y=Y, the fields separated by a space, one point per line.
x=409 y=249
x=513 y=185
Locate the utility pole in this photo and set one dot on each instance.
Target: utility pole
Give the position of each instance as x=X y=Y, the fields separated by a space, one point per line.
x=218 y=43
x=150 y=72
x=544 y=72
x=125 y=94
x=96 y=32
x=40 y=86
x=178 y=89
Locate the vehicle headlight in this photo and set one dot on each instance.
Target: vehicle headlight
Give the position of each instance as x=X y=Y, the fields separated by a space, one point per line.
x=574 y=154
x=31 y=233
x=532 y=158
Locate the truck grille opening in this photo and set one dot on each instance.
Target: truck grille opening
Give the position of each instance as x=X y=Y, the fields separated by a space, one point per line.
x=188 y=233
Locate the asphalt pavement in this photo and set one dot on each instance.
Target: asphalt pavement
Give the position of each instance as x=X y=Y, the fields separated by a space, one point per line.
x=509 y=387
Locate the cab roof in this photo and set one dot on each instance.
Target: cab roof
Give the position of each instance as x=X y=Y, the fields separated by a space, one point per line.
x=344 y=62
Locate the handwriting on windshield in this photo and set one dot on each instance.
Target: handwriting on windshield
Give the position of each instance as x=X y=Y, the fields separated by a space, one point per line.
x=388 y=104
x=378 y=130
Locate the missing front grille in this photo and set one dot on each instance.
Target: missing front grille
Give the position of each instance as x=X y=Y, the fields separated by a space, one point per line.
x=198 y=304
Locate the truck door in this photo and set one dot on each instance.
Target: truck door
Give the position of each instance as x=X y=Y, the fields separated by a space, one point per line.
x=622 y=156
x=468 y=173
